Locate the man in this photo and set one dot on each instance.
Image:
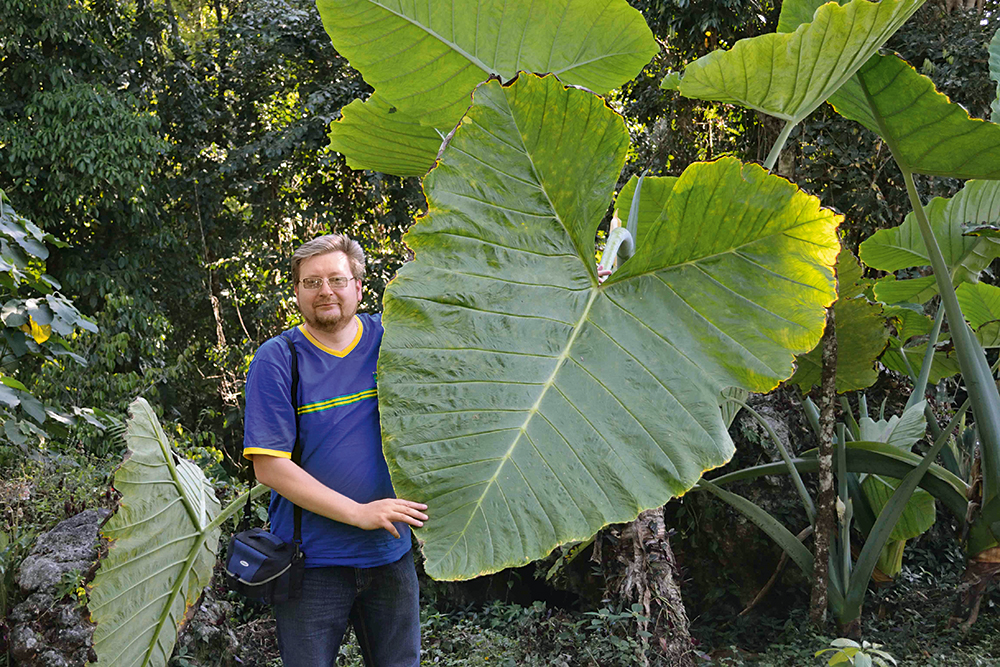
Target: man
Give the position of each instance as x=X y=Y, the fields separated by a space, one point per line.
x=355 y=533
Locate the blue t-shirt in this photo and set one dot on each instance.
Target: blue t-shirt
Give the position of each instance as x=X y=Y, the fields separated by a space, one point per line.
x=340 y=437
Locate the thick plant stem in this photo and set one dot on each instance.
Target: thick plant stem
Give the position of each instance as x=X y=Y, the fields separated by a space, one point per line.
x=642 y=569
x=920 y=383
x=235 y=506
x=779 y=143
x=826 y=513
x=975 y=370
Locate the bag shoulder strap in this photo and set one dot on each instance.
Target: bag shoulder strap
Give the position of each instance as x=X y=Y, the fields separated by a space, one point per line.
x=296 y=448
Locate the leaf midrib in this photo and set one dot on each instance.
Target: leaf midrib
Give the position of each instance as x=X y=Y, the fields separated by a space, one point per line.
x=595 y=290
x=522 y=430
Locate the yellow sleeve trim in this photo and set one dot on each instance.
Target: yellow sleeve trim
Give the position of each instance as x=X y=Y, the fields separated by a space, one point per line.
x=330 y=350
x=249 y=453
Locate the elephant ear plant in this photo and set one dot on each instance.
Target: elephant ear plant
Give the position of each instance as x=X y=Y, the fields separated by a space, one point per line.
x=788 y=75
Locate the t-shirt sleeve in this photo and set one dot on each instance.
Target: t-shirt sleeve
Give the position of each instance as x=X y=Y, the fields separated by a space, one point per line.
x=269 y=419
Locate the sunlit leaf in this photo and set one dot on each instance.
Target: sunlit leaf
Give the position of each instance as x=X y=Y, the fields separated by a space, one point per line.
x=788 y=75
x=928 y=133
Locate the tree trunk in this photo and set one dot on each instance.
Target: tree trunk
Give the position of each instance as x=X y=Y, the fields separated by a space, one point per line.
x=641 y=569
x=979 y=572
x=981 y=568
x=825 y=511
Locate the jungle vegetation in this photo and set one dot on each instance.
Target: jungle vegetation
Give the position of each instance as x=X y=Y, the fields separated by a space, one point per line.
x=159 y=162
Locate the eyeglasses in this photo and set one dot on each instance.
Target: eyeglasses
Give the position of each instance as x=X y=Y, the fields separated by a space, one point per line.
x=335 y=282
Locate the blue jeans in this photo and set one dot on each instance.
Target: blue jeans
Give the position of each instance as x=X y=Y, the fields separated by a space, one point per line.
x=381 y=602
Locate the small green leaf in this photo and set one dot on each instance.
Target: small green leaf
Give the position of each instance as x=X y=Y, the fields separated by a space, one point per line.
x=911 y=290
x=903 y=247
x=909 y=320
x=672 y=81
x=11 y=382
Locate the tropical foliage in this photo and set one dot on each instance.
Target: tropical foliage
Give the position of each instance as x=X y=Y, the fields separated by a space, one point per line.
x=525 y=401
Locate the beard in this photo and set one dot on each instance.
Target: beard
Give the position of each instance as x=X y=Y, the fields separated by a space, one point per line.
x=328 y=321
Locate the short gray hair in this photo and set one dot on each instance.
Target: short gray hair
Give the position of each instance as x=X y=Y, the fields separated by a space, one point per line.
x=327 y=244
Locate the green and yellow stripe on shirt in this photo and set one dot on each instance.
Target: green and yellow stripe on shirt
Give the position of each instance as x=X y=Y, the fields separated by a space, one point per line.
x=339 y=401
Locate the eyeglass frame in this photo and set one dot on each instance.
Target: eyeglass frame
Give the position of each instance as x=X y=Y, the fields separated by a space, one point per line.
x=328 y=281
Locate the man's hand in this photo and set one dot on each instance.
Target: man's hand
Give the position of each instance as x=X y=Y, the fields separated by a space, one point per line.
x=602 y=274
x=301 y=488
x=383 y=513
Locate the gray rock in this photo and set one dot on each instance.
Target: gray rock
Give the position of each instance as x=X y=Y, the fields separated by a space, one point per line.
x=47 y=631
x=71 y=545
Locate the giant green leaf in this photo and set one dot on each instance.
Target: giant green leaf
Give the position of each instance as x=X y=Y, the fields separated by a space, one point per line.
x=861 y=335
x=161 y=552
x=527 y=405
x=424 y=60
x=966 y=256
x=928 y=134
x=788 y=75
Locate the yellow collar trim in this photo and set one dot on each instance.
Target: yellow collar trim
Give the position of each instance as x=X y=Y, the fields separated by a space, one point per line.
x=330 y=350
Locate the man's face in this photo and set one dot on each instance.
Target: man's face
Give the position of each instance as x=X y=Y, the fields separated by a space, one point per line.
x=327 y=309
